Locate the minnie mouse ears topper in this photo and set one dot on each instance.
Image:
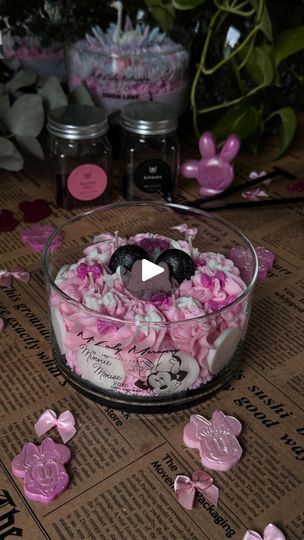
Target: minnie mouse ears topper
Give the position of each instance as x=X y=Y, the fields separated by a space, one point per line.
x=214 y=171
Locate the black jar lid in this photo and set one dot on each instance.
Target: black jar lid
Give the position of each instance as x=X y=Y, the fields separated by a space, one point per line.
x=149 y=118
x=77 y=122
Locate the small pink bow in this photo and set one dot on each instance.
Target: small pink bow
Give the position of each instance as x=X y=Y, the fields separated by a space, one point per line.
x=254 y=194
x=190 y=233
x=65 y=424
x=185 y=488
x=271 y=532
x=7 y=276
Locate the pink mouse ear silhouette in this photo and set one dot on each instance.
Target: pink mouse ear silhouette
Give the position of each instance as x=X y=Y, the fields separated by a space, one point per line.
x=231 y=148
x=207 y=145
x=229 y=423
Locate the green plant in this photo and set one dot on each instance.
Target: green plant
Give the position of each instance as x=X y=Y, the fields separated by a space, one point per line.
x=24 y=102
x=240 y=78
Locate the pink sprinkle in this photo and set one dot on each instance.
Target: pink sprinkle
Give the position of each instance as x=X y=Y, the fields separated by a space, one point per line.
x=206 y=281
x=200 y=262
x=221 y=277
x=214 y=306
x=96 y=270
x=105 y=327
x=82 y=270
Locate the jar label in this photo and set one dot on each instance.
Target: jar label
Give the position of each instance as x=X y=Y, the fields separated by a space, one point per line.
x=154 y=176
x=170 y=373
x=100 y=365
x=87 y=182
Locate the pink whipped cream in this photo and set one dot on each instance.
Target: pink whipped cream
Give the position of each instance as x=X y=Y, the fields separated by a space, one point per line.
x=119 y=343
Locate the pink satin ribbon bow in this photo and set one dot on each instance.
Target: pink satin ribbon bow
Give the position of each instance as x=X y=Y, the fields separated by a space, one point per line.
x=7 y=276
x=65 y=424
x=201 y=481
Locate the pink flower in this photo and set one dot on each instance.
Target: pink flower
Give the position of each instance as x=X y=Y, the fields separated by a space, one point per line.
x=37 y=236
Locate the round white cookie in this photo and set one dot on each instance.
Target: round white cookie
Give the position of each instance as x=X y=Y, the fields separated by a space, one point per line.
x=59 y=328
x=223 y=350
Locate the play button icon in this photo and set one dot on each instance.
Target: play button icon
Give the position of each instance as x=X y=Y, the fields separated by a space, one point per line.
x=148 y=281
x=149 y=270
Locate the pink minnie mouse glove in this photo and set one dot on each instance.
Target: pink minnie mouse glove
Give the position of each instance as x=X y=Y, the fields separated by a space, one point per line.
x=271 y=532
x=214 y=172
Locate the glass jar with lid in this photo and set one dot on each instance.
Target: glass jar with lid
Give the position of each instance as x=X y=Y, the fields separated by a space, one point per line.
x=80 y=155
x=149 y=150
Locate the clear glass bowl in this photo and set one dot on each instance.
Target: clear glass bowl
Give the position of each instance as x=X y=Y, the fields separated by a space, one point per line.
x=114 y=80
x=138 y=362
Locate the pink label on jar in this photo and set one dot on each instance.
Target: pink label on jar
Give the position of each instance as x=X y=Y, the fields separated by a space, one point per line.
x=87 y=182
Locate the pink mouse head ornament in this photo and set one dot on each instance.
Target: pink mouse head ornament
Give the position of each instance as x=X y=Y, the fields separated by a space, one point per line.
x=214 y=171
x=216 y=440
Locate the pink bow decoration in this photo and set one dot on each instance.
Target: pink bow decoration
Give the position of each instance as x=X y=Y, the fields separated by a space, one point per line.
x=201 y=481
x=65 y=424
x=254 y=194
x=7 y=276
x=271 y=532
x=190 y=233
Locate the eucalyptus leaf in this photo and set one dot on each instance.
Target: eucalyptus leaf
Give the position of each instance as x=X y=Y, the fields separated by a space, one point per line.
x=187 y=4
x=287 y=129
x=21 y=80
x=53 y=94
x=10 y=159
x=81 y=95
x=32 y=146
x=243 y=120
x=4 y=105
x=289 y=43
x=259 y=66
x=26 y=116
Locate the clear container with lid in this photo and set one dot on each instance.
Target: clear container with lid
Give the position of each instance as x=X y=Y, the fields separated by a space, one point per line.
x=80 y=155
x=149 y=150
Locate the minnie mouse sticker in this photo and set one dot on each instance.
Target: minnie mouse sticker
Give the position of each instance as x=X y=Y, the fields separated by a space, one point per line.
x=173 y=372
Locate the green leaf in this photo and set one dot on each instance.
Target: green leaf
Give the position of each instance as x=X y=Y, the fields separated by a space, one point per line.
x=21 y=80
x=26 y=116
x=187 y=4
x=32 y=146
x=259 y=66
x=289 y=43
x=243 y=120
x=10 y=159
x=162 y=11
x=266 y=25
x=53 y=94
x=287 y=129
x=4 y=105
x=81 y=95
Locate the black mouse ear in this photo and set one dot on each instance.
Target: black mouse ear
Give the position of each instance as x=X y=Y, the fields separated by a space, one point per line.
x=126 y=256
x=179 y=262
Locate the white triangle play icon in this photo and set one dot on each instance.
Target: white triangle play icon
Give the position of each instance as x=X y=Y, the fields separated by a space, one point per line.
x=150 y=270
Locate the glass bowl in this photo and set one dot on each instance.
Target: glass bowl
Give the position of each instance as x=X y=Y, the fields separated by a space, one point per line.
x=115 y=79
x=140 y=355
